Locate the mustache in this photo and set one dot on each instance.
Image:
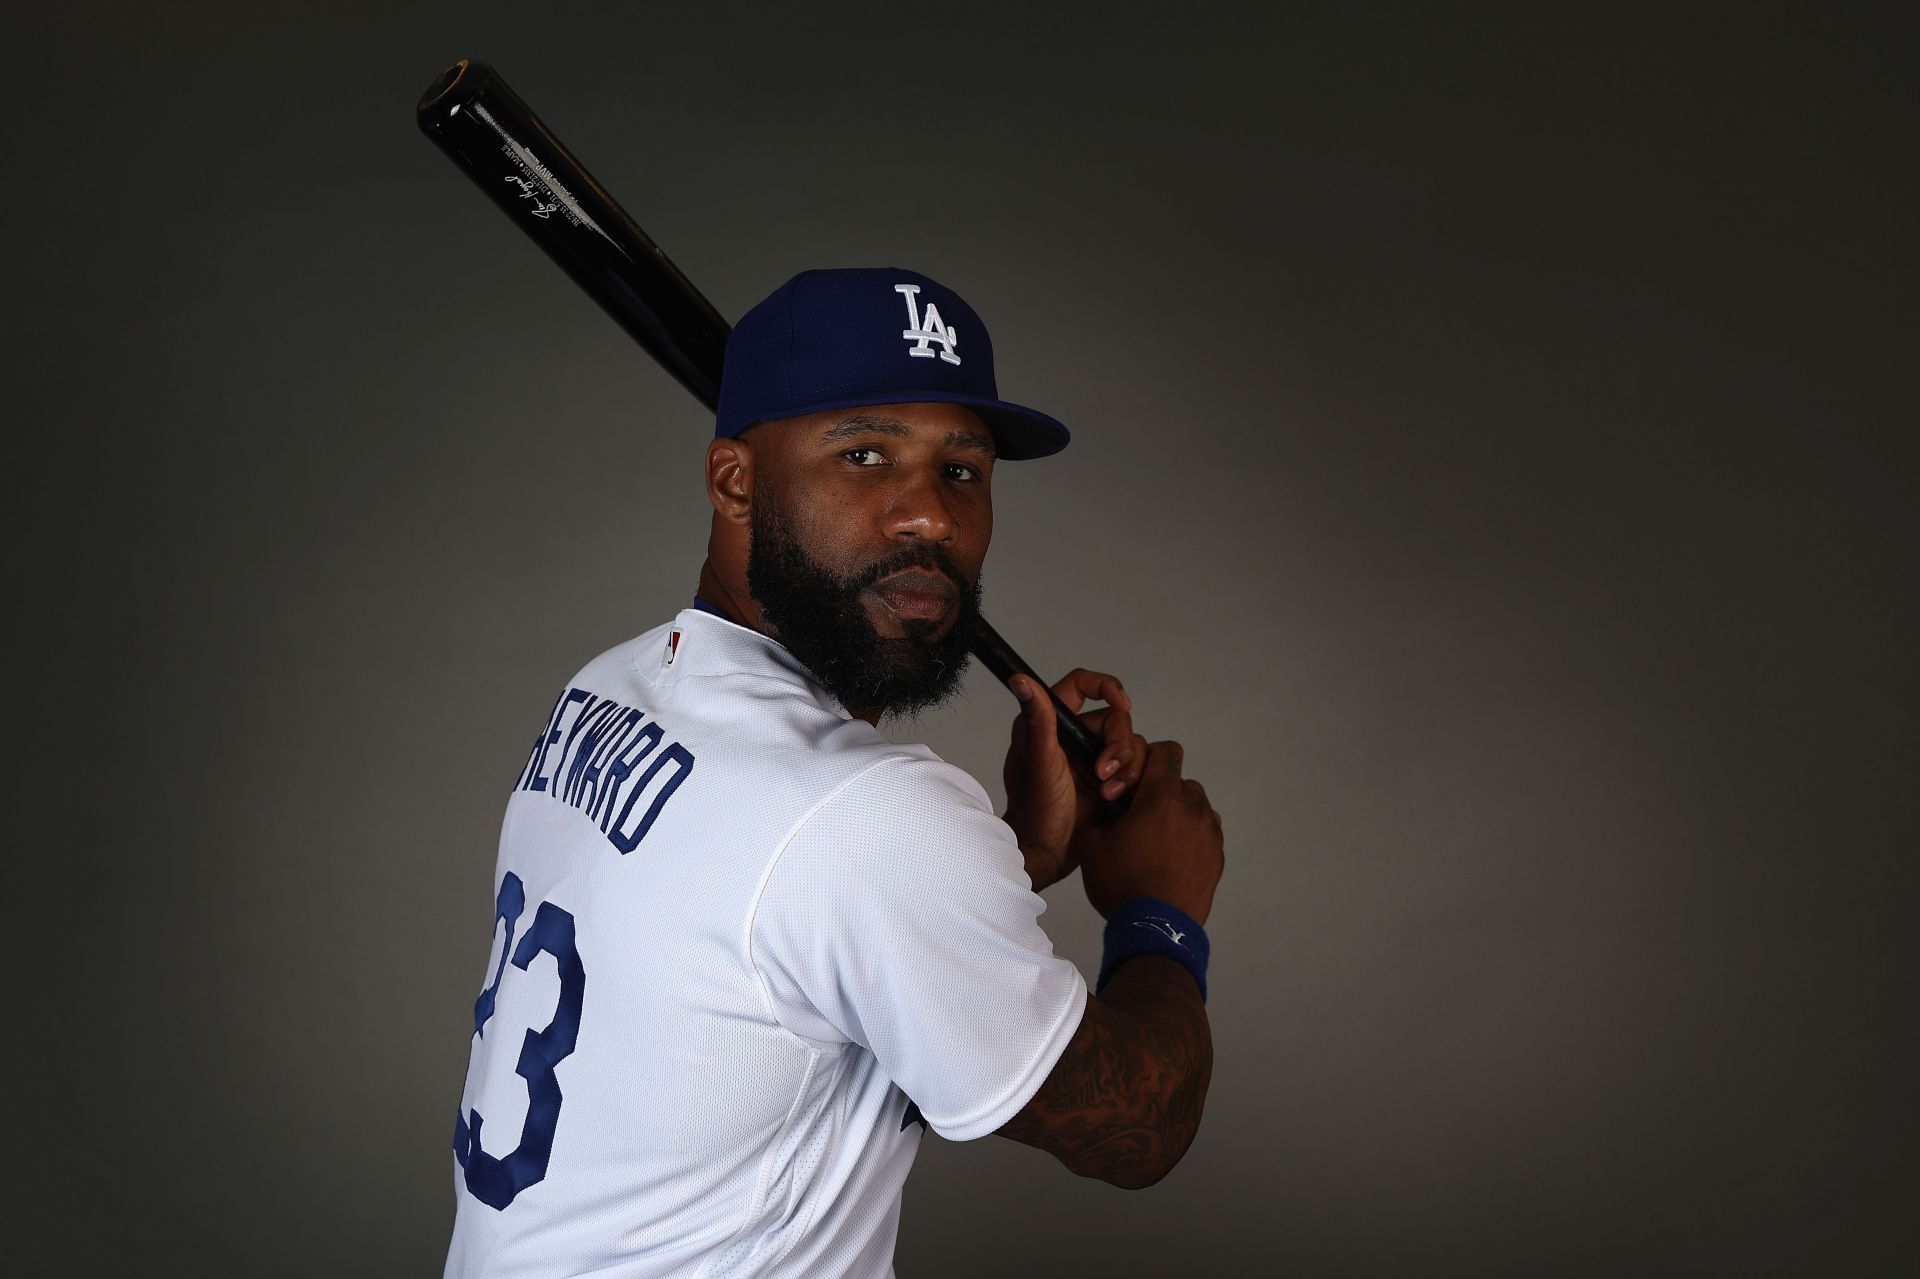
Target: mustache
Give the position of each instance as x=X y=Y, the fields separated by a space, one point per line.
x=923 y=555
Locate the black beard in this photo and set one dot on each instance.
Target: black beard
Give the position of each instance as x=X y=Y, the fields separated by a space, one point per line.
x=822 y=622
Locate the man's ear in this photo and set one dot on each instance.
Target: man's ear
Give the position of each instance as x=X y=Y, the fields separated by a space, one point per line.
x=730 y=478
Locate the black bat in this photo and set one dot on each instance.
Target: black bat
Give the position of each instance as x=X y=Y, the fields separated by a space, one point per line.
x=484 y=127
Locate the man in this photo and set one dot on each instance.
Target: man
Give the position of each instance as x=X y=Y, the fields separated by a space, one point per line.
x=747 y=950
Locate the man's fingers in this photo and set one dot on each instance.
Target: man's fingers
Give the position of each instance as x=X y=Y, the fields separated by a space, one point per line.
x=1036 y=712
x=1131 y=766
x=1124 y=756
x=1080 y=686
x=1118 y=765
x=1116 y=727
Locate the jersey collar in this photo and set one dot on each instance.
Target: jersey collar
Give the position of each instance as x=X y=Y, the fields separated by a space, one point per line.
x=706 y=642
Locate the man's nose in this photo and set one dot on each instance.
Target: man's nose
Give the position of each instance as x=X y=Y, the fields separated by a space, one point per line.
x=921 y=509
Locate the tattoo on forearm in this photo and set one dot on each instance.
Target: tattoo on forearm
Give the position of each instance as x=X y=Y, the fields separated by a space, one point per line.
x=1124 y=1102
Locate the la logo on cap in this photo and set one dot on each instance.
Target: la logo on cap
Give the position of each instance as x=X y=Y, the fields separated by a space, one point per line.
x=922 y=329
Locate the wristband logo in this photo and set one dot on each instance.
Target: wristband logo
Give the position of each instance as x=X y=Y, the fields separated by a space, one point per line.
x=1160 y=926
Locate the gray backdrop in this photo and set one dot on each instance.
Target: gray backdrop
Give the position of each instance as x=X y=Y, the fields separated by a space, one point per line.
x=1485 y=464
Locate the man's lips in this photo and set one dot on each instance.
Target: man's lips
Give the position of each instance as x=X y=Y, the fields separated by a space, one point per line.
x=917 y=593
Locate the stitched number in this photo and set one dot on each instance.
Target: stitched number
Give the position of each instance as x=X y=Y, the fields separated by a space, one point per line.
x=511 y=904
x=495 y=1181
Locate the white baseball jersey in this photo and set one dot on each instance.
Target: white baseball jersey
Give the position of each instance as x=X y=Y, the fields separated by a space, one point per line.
x=743 y=945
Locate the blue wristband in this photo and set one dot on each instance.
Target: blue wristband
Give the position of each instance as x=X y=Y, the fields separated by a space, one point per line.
x=1149 y=926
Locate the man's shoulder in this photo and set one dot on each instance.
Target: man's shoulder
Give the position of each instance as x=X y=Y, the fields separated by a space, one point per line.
x=837 y=769
x=883 y=810
x=751 y=700
x=619 y=663
x=906 y=777
x=690 y=644
x=903 y=826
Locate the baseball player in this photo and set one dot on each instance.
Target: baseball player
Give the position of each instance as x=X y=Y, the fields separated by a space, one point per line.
x=747 y=951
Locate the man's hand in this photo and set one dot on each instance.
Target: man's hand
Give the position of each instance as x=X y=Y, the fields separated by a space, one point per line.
x=1169 y=844
x=1049 y=805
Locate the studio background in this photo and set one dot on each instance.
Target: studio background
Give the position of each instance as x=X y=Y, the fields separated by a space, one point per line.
x=1487 y=461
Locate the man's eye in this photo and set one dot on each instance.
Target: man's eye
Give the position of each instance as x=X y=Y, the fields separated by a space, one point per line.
x=961 y=471
x=863 y=457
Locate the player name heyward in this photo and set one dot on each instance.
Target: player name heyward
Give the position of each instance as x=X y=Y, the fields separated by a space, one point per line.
x=608 y=757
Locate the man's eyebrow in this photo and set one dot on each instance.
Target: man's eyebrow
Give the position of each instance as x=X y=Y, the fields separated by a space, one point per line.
x=877 y=424
x=863 y=424
x=971 y=440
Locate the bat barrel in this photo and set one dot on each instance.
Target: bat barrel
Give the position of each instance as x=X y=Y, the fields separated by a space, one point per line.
x=496 y=140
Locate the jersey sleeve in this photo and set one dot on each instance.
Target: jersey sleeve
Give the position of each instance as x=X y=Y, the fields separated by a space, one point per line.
x=899 y=916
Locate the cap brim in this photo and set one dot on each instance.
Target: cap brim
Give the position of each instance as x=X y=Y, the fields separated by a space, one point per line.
x=1019 y=433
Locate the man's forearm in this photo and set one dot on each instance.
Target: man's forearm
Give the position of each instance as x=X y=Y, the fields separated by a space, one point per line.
x=1124 y=1103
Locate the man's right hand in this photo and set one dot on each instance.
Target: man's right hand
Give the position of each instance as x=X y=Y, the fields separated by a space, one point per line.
x=1168 y=844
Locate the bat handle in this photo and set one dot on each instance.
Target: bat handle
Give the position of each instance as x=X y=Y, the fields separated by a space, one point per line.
x=1082 y=744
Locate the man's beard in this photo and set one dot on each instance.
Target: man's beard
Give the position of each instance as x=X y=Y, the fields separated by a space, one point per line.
x=822 y=622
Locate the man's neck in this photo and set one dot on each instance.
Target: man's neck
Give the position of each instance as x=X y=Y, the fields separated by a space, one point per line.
x=733 y=602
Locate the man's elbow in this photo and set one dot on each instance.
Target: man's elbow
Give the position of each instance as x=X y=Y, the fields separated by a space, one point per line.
x=1131 y=1176
x=1140 y=1180
x=1137 y=1159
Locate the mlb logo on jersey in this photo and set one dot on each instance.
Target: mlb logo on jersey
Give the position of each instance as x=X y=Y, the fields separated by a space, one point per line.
x=673 y=645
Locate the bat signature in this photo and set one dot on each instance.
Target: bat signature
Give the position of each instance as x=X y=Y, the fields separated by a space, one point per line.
x=539 y=209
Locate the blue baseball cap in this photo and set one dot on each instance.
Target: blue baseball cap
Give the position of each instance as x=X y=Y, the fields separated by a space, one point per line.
x=847 y=338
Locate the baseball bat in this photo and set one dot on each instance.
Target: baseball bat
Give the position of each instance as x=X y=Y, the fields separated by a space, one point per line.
x=484 y=128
